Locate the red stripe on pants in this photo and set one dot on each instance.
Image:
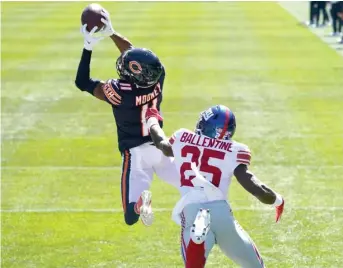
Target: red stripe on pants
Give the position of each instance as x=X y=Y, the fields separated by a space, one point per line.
x=124 y=179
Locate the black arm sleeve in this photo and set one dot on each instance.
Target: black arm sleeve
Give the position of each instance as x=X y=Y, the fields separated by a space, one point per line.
x=83 y=80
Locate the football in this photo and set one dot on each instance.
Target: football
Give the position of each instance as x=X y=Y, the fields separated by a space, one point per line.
x=92 y=16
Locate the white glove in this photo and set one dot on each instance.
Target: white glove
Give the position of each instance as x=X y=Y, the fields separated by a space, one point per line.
x=90 y=40
x=108 y=29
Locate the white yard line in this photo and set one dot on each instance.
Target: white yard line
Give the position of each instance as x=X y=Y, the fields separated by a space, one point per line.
x=300 y=10
x=120 y=210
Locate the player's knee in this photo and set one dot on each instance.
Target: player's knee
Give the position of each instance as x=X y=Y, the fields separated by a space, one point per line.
x=130 y=216
x=131 y=219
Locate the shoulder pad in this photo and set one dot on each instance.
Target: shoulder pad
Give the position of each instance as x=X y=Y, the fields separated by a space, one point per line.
x=177 y=134
x=111 y=91
x=123 y=85
x=237 y=146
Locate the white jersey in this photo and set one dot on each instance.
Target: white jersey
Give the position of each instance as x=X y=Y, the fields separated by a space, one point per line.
x=215 y=159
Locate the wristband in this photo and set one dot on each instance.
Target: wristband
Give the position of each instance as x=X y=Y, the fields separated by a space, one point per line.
x=88 y=46
x=152 y=121
x=278 y=200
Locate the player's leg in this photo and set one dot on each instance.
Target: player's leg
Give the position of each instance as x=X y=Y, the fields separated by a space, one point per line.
x=334 y=19
x=135 y=181
x=195 y=251
x=166 y=170
x=312 y=12
x=234 y=241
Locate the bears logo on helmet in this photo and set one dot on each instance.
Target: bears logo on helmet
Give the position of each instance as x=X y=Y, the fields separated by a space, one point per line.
x=135 y=67
x=139 y=66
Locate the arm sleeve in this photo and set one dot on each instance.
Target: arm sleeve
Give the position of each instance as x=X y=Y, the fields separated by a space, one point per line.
x=112 y=92
x=83 y=80
x=243 y=156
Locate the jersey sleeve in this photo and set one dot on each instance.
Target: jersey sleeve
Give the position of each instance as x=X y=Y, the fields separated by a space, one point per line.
x=111 y=90
x=243 y=155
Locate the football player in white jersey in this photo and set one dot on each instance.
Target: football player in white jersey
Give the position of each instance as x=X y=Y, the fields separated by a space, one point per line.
x=207 y=160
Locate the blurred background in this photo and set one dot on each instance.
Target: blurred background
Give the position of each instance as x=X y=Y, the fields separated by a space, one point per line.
x=327 y=14
x=323 y=18
x=60 y=164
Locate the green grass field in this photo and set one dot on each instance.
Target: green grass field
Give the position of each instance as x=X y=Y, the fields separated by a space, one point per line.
x=61 y=168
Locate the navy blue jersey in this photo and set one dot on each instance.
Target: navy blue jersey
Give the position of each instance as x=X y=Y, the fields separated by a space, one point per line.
x=129 y=105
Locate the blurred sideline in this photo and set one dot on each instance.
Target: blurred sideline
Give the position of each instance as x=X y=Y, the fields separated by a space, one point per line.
x=300 y=10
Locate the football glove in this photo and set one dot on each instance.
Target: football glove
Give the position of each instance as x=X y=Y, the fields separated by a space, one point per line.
x=152 y=112
x=152 y=116
x=108 y=29
x=279 y=210
x=89 y=39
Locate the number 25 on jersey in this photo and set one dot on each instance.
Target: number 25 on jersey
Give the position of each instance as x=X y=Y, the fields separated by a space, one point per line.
x=202 y=163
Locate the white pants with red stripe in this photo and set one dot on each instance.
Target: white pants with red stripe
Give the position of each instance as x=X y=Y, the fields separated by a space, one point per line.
x=139 y=165
x=225 y=231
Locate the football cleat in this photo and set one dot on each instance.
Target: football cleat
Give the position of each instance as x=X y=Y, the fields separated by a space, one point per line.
x=201 y=226
x=146 y=214
x=279 y=211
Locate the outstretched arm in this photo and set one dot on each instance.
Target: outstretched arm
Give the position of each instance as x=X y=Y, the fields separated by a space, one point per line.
x=160 y=140
x=120 y=41
x=83 y=80
x=258 y=189
x=156 y=132
x=250 y=183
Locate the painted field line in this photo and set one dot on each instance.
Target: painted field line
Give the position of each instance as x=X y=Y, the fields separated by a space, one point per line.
x=57 y=168
x=120 y=210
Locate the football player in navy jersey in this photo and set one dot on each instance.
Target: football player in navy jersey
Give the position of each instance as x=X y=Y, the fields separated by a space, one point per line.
x=139 y=87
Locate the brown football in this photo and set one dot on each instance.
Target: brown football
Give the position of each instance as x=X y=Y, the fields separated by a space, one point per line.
x=92 y=16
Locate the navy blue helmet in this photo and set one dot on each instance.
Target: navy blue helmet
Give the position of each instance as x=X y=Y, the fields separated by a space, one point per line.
x=139 y=66
x=217 y=122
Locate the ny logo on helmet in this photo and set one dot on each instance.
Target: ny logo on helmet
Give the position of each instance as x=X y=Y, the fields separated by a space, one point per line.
x=207 y=114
